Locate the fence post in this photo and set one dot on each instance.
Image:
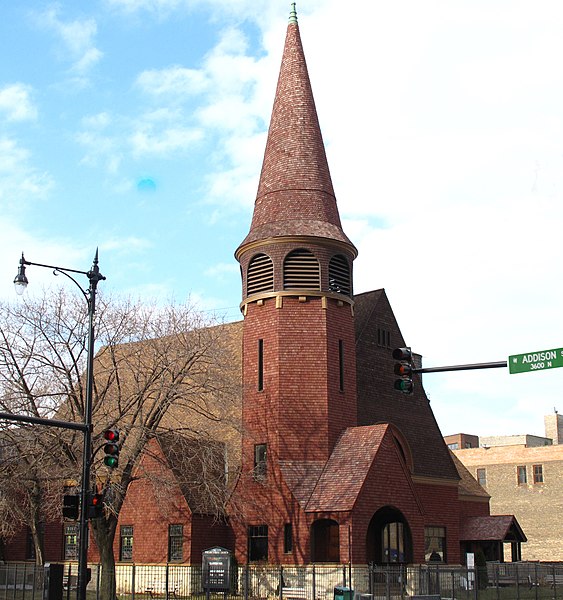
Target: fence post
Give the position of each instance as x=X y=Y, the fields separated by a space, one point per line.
x=133 y=578
x=280 y=583
x=166 y=578
x=246 y=581
x=314 y=584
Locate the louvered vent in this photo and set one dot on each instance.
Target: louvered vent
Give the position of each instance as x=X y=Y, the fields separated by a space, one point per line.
x=339 y=275
x=260 y=275
x=301 y=271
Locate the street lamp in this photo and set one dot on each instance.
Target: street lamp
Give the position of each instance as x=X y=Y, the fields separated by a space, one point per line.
x=94 y=276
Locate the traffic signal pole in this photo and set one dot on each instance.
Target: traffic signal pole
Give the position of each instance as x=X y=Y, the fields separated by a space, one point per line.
x=485 y=365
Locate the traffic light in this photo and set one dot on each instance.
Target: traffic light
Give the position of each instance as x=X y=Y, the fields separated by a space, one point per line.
x=71 y=506
x=111 y=448
x=96 y=508
x=404 y=368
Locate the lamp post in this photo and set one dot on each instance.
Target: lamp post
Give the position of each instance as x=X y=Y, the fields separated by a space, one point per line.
x=94 y=276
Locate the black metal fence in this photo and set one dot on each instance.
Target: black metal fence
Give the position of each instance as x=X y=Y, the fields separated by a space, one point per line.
x=498 y=581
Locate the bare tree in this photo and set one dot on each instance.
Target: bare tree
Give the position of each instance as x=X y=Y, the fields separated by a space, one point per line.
x=157 y=369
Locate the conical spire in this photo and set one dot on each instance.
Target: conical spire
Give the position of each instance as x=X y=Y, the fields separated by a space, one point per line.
x=295 y=194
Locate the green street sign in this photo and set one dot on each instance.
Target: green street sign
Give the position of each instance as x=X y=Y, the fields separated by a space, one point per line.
x=536 y=361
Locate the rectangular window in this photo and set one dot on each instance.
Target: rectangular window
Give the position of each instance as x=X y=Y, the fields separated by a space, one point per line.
x=522 y=477
x=482 y=477
x=435 y=544
x=175 y=543
x=260 y=470
x=260 y=365
x=71 y=542
x=453 y=446
x=287 y=538
x=258 y=542
x=341 y=364
x=126 y=543
x=538 y=473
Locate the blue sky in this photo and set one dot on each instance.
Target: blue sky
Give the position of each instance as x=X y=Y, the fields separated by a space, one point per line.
x=139 y=126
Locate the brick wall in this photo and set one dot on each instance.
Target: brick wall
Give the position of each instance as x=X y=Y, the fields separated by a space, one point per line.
x=537 y=506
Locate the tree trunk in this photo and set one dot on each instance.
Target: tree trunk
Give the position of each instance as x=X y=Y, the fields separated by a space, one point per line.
x=104 y=534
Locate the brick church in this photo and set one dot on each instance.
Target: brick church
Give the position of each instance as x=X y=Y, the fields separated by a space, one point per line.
x=336 y=466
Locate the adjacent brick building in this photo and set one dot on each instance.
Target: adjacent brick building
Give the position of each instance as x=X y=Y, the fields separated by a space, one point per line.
x=523 y=475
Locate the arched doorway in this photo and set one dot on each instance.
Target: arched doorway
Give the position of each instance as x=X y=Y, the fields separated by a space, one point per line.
x=389 y=538
x=325 y=541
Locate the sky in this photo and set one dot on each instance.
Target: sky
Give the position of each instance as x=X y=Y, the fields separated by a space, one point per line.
x=138 y=127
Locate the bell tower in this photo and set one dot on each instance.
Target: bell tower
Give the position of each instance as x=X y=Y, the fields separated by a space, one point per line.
x=299 y=368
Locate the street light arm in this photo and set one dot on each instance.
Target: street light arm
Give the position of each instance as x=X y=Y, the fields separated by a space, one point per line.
x=94 y=275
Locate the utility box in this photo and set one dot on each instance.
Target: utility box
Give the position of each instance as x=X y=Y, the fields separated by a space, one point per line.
x=343 y=593
x=53 y=582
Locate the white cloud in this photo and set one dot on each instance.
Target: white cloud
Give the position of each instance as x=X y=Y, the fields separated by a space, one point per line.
x=172 y=81
x=20 y=182
x=154 y=141
x=77 y=36
x=16 y=103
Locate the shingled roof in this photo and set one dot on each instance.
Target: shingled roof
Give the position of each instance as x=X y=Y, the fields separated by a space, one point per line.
x=295 y=194
x=346 y=470
x=494 y=528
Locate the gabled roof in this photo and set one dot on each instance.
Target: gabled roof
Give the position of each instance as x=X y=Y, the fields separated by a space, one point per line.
x=347 y=468
x=496 y=528
x=377 y=333
x=198 y=465
x=295 y=194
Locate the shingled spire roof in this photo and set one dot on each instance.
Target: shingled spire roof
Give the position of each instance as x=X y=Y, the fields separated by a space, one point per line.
x=295 y=194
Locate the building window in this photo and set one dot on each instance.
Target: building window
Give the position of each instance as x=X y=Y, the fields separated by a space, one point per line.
x=260 y=365
x=260 y=452
x=522 y=476
x=126 y=543
x=383 y=338
x=538 y=473
x=71 y=542
x=258 y=542
x=453 y=446
x=341 y=364
x=260 y=276
x=175 y=543
x=301 y=271
x=287 y=538
x=30 y=545
x=435 y=544
x=482 y=477
x=339 y=275
x=393 y=543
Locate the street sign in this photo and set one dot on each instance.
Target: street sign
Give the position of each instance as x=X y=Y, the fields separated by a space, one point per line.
x=535 y=361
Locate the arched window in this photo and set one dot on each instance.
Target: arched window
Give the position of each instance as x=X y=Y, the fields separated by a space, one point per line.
x=389 y=537
x=301 y=271
x=260 y=275
x=339 y=275
x=325 y=541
